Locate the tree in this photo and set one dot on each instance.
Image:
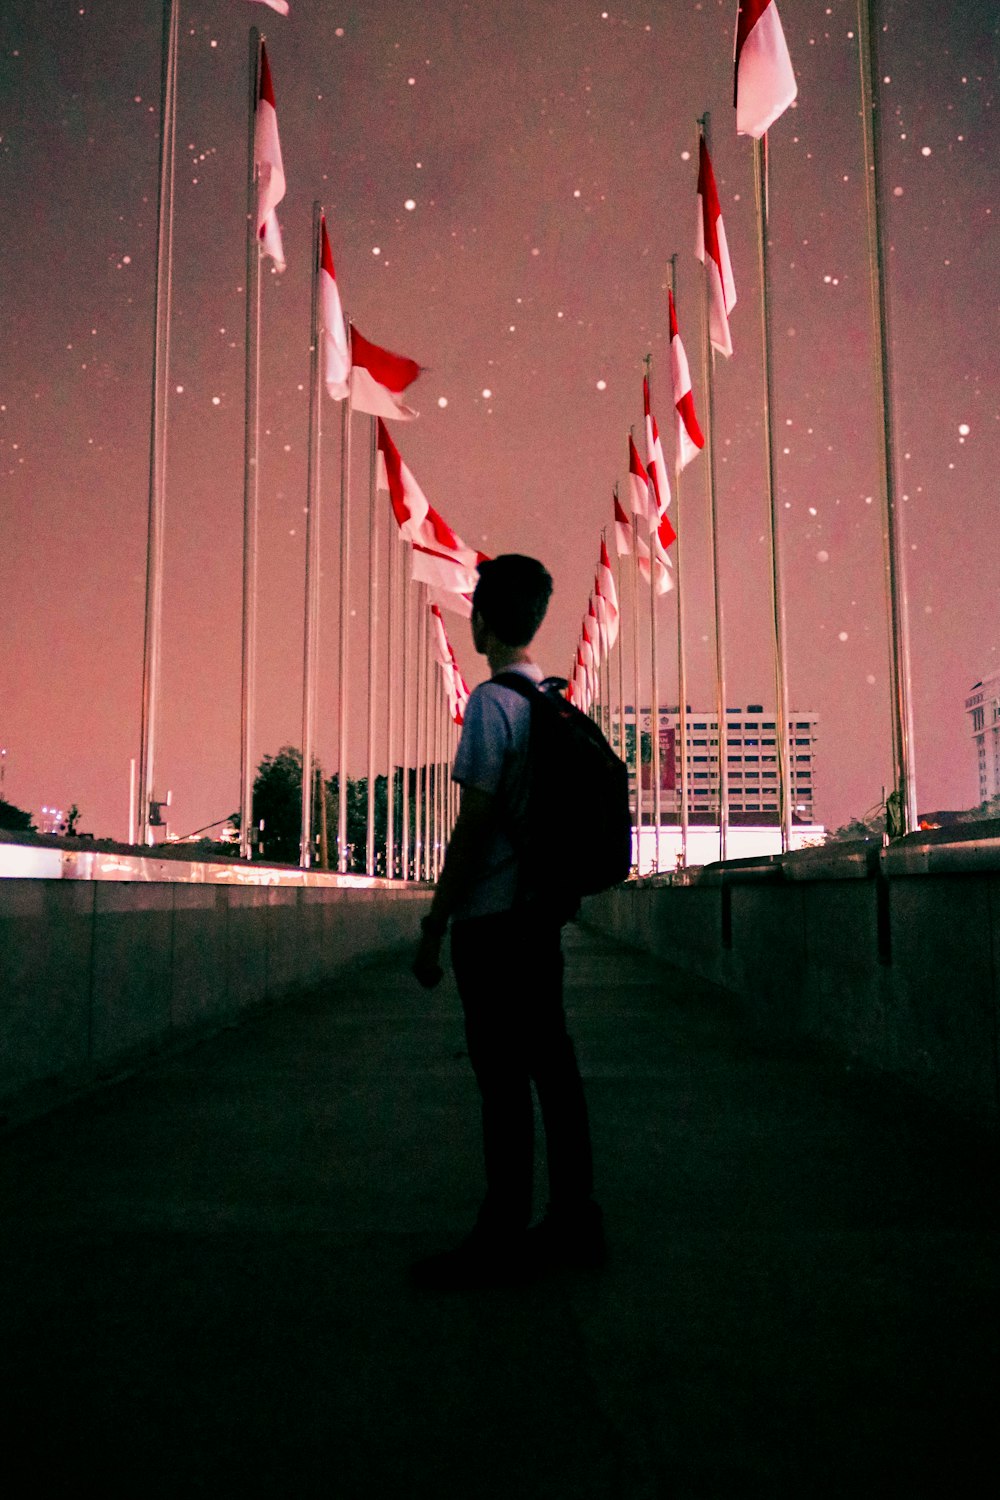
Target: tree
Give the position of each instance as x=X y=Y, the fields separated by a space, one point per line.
x=15 y=818
x=277 y=801
x=73 y=821
x=870 y=826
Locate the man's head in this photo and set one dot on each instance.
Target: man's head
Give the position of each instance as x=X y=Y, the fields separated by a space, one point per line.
x=511 y=598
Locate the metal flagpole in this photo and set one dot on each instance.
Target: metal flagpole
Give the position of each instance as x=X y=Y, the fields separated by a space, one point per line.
x=621 y=649
x=438 y=779
x=392 y=567
x=681 y=654
x=777 y=597
x=419 y=723
x=344 y=616
x=709 y=450
x=158 y=423
x=654 y=684
x=311 y=630
x=250 y=466
x=428 y=736
x=892 y=515
x=372 y=657
x=407 y=610
x=637 y=715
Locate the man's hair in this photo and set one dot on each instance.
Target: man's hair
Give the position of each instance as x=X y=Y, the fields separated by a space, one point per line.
x=512 y=596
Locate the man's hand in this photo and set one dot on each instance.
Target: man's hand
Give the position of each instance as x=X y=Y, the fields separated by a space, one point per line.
x=427 y=963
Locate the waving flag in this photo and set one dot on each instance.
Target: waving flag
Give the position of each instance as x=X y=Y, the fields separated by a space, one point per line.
x=609 y=593
x=592 y=631
x=379 y=378
x=440 y=558
x=712 y=250
x=657 y=559
x=454 y=683
x=623 y=531
x=281 y=6
x=409 y=503
x=639 y=488
x=336 y=355
x=764 y=83
x=690 y=438
x=267 y=160
x=655 y=463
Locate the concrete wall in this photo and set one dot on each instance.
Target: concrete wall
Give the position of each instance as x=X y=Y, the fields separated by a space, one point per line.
x=95 y=974
x=901 y=973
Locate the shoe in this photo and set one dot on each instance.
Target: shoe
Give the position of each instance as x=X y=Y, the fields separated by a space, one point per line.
x=568 y=1240
x=479 y=1262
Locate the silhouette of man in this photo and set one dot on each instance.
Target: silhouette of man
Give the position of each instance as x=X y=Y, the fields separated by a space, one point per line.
x=507 y=958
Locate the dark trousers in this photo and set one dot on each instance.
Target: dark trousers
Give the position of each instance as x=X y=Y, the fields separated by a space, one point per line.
x=509 y=971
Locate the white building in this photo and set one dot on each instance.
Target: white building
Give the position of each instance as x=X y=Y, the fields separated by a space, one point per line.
x=751 y=762
x=983 y=707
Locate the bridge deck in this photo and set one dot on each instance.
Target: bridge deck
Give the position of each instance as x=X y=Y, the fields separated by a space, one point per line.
x=205 y=1269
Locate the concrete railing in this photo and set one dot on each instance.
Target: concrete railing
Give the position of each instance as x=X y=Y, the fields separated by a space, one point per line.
x=891 y=957
x=95 y=974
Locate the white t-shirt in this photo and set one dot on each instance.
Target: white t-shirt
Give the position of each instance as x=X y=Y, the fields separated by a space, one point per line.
x=492 y=756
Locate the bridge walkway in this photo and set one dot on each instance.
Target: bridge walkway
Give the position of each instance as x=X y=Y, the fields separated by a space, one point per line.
x=205 y=1290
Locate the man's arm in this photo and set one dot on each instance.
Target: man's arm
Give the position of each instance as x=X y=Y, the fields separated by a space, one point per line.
x=466 y=848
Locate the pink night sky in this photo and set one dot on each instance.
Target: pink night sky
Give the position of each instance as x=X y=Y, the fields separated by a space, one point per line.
x=504 y=186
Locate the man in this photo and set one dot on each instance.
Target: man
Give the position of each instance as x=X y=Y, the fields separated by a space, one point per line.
x=507 y=958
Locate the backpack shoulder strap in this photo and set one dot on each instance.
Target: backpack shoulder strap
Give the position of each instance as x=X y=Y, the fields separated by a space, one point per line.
x=518 y=683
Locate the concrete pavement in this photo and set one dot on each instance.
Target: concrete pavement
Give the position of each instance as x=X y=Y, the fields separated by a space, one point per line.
x=205 y=1290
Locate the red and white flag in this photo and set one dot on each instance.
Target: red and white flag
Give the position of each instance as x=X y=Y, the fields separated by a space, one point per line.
x=609 y=593
x=409 y=503
x=379 y=378
x=281 y=6
x=764 y=82
x=453 y=680
x=712 y=250
x=658 y=559
x=587 y=649
x=336 y=355
x=583 y=680
x=665 y=533
x=690 y=438
x=267 y=160
x=642 y=502
x=593 y=632
x=656 y=466
x=440 y=558
x=623 y=531
x=461 y=691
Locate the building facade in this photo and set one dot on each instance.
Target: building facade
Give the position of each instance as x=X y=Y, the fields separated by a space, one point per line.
x=983 y=708
x=751 y=761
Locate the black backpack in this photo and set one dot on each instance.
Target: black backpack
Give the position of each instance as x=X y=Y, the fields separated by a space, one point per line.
x=575 y=838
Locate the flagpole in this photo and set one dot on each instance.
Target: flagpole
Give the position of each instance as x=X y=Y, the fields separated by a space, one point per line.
x=621 y=648
x=250 y=466
x=162 y=298
x=311 y=629
x=428 y=737
x=344 y=615
x=681 y=654
x=404 y=847
x=372 y=634
x=637 y=748
x=720 y=675
x=760 y=157
x=892 y=515
x=419 y=726
x=438 y=756
x=390 y=718
x=654 y=684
